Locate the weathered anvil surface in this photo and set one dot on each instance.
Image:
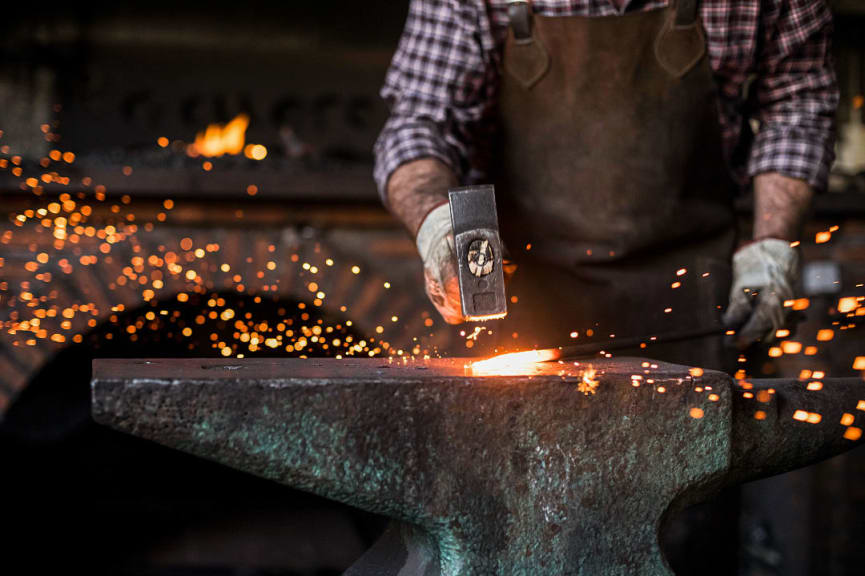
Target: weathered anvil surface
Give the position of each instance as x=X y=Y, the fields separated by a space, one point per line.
x=505 y=474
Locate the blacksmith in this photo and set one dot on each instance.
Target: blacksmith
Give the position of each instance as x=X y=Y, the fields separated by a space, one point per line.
x=617 y=133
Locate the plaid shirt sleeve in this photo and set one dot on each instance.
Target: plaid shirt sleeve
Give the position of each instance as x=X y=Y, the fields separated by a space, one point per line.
x=796 y=92
x=440 y=89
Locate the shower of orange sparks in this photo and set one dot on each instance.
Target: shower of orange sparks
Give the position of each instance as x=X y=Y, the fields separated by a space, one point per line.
x=588 y=383
x=67 y=220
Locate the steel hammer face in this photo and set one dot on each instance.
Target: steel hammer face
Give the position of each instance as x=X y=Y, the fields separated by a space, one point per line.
x=479 y=252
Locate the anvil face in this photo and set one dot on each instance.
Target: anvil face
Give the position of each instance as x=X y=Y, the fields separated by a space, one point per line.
x=527 y=474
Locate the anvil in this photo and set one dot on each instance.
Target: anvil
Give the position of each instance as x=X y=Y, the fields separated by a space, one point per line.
x=544 y=472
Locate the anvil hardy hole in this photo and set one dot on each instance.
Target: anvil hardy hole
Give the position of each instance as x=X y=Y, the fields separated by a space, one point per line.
x=77 y=483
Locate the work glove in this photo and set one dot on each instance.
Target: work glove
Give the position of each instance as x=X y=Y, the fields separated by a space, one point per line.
x=435 y=243
x=764 y=274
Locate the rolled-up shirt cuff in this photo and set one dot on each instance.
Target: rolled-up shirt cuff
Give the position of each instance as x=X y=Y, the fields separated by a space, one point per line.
x=795 y=152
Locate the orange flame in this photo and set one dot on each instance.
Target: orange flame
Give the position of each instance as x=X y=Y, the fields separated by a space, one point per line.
x=218 y=140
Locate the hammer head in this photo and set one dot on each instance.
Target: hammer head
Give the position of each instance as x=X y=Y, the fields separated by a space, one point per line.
x=479 y=252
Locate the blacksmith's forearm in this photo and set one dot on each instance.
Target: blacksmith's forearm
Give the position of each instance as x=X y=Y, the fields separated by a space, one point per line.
x=417 y=187
x=780 y=206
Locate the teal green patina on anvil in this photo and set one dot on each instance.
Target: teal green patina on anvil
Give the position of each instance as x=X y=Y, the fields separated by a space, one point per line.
x=511 y=475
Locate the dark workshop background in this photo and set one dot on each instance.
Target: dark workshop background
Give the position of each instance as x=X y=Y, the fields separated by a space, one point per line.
x=110 y=81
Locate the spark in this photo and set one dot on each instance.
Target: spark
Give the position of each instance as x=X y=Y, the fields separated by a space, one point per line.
x=825 y=335
x=790 y=347
x=805 y=416
x=474 y=335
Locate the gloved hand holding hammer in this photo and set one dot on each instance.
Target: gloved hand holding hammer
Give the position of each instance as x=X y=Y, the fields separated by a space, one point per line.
x=435 y=244
x=418 y=196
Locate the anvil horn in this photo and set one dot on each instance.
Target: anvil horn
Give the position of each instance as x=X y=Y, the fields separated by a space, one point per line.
x=781 y=424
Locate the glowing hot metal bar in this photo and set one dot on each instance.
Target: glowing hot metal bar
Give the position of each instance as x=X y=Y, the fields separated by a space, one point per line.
x=513 y=363
x=514 y=360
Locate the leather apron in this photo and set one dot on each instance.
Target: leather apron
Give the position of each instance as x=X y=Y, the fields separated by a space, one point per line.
x=611 y=180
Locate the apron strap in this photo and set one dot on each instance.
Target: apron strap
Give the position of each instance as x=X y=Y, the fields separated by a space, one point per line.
x=527 y=59
x=686 y=11
x=520 y=16
x=681 y=43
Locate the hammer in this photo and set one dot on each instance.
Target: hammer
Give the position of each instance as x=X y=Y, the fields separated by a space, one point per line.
x=479 y=252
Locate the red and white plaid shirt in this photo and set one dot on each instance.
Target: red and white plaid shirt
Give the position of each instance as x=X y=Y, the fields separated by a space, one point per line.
x=442 y=83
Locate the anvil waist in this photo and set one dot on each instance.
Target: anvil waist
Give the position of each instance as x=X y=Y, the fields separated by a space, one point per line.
x=610 y=167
